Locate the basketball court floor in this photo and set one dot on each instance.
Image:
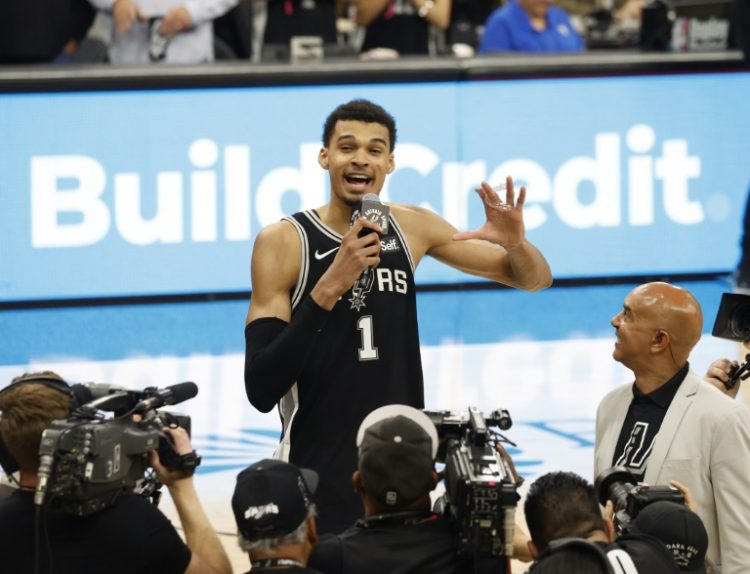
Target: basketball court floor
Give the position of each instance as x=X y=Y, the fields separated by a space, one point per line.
x=545 y=357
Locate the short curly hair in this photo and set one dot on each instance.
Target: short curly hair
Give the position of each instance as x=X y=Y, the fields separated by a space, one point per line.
x=361 y=111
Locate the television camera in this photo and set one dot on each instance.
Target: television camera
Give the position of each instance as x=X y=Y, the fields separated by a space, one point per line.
x=88 y=459
x=480 y=481
x=733 y=323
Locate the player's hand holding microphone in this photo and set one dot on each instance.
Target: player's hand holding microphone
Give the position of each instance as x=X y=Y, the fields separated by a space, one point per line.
x=359 y=251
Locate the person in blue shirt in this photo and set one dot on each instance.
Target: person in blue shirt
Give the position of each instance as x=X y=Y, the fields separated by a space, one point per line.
x=530 y=26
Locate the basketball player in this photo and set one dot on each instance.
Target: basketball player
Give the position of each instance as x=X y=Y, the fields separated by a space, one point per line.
x=330 y=344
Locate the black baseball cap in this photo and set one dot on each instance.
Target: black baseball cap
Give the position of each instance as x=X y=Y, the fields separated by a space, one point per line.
x=680 y=529
x=397 y=448
x=272 y=498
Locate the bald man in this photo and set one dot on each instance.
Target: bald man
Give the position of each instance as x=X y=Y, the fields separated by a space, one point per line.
x=670 y=425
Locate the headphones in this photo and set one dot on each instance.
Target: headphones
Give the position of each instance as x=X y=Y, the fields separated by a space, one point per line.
x=581 y=544
x=7 y=462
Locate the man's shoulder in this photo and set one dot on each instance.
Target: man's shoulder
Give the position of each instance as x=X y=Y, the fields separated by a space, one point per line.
x=503 y=15
x=557 y=15
x=277 y=231
x=712 y=399
x=406 y=212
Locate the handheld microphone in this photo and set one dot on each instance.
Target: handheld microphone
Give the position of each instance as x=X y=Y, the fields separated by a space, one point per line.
x=167 y=396
x=372 y=209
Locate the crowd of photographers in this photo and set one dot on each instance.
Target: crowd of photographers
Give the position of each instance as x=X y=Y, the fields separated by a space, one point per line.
x=80 y=484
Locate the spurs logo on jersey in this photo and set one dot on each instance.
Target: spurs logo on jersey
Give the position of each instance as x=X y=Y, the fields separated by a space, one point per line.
x=362 y=287
x=636 y=452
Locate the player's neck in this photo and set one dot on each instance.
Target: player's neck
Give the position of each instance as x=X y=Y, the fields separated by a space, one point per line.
x=336 y=215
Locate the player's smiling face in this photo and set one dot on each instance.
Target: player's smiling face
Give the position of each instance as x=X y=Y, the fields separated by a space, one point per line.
x=358 y=158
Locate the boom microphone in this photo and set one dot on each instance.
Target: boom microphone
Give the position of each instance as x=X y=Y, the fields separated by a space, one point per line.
x=167 y=396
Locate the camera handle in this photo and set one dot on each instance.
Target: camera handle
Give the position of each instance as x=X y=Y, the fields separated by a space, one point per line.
x=742 y=373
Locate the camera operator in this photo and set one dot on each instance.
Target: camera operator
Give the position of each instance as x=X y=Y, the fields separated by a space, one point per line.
x=275 y=515
x=564 y=505
x=399 y=533
x=131 y=535
x=669 y=425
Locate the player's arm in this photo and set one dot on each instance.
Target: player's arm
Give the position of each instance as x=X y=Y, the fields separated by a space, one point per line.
x=368 y=10
x=498 y=251
x=276 y=344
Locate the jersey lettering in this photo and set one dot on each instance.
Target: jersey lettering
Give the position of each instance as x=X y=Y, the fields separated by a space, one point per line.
x=391 y=280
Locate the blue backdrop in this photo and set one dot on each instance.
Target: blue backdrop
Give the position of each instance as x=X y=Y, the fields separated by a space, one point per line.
x=148 y=192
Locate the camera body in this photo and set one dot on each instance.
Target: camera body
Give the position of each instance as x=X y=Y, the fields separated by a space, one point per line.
x=629 y=498
x=87 y=460
x=481 y=490
x=733 y=323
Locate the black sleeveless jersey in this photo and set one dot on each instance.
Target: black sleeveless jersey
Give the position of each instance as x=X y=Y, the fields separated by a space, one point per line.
x=366 y=356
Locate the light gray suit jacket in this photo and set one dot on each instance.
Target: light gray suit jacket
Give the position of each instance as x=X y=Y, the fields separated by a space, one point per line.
x=704 y=443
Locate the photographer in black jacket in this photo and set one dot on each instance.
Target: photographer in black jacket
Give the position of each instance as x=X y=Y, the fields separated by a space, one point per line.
x=564 y=505
x=399 y=533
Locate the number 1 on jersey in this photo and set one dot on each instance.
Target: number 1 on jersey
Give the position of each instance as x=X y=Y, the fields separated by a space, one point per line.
x=367 y=351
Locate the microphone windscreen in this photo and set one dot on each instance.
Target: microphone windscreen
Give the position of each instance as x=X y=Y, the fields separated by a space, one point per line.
x=182 y=392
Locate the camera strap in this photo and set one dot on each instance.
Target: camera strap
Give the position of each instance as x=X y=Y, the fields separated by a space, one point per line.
x=188 y=462
x=398 y=518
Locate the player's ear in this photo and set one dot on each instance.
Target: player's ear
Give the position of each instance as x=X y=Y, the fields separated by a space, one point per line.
x=391 y=164
x=323 y=157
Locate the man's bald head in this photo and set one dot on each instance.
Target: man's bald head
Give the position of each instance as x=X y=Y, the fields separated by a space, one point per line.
x=677 y=310
x=658 y=320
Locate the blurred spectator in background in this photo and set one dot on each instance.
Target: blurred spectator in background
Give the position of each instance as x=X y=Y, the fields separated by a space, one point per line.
x=400 y=27
x=629 y=10
x=42 y=30
x=288 y=18
x=740 y=17
x=530 y=26
x=153 y=31
x=235 y=32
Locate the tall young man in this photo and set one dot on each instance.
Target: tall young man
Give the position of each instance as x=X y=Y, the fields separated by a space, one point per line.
x=332 y=327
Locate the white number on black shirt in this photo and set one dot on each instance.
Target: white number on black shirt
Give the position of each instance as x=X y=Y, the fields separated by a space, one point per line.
x=367 y=351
